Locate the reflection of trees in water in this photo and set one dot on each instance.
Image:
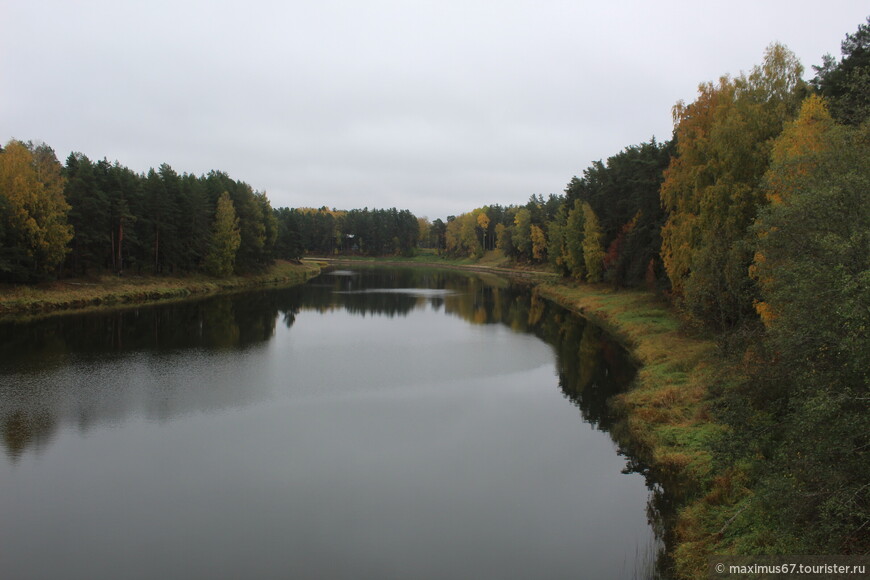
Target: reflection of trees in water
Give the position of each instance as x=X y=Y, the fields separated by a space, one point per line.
x=21 y=430
x=592 y=370
x=31 y=405
x=367 y=291
x=591 y=367
x=238 y=321
x=242 y=321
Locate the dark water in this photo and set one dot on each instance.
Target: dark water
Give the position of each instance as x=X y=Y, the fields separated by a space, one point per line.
x=372 y=424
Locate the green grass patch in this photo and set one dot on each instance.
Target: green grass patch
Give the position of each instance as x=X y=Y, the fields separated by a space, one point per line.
x=666 y=415
x=699 y=437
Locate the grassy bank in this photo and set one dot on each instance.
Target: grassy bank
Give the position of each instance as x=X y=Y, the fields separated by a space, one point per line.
x=423 y=256
x=667 y=416
x=493 y=261
x=108 y=290
x=668 y=403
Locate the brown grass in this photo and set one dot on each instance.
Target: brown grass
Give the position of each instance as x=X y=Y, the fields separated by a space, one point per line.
x=667 y=411
x=110 y=290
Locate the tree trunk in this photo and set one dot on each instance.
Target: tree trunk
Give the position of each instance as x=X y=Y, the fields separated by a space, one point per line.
x=120 y=263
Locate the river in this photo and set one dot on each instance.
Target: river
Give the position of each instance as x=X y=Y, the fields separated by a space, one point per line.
x=373 y=423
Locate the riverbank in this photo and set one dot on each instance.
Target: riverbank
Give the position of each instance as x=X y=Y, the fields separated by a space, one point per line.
x=108 y=290
x=492 y=262
x=667 y=417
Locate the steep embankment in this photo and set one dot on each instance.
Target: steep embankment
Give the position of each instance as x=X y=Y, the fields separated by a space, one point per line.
x=109 y=290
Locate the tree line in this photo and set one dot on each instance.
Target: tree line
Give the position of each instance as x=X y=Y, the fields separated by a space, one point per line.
x=754 y=219
x=606 y=227
x=324 y=231
x=89 y=217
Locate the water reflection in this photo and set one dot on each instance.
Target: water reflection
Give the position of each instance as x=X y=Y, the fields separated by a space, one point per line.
x=226 y=322
x=308 y=416
x=58 y=370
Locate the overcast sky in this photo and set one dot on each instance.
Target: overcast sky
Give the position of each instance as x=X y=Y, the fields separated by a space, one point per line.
x=438 y=107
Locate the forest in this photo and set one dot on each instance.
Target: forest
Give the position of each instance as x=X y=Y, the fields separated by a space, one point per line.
x=753 y=220
x=89 y=217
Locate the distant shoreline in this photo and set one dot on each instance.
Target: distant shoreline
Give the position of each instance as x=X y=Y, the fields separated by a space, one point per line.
x=74 y=295
x=445 y=264
x=665 y=415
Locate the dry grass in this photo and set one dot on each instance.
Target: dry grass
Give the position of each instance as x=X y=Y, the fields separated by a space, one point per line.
x=112 y=290
x=667 y=411
x=671 y=388
x=495 y=258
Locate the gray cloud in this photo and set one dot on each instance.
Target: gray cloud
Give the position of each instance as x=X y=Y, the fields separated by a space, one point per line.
x=438 y=107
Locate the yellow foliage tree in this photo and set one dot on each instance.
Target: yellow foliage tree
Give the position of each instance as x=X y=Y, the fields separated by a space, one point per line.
x=483 y=224
x=539 y=243
x=796 y=157
x=574 y=228
x=521 y=232
x=468 y=234
x=713 y=186
x=226 y=238
x=424 y=229
x=461 y=235
x=795 y=153
x=593 y=245
x=685 y=175
x=34 y=211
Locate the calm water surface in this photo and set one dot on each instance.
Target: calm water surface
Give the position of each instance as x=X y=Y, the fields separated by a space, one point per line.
x=371 y=424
